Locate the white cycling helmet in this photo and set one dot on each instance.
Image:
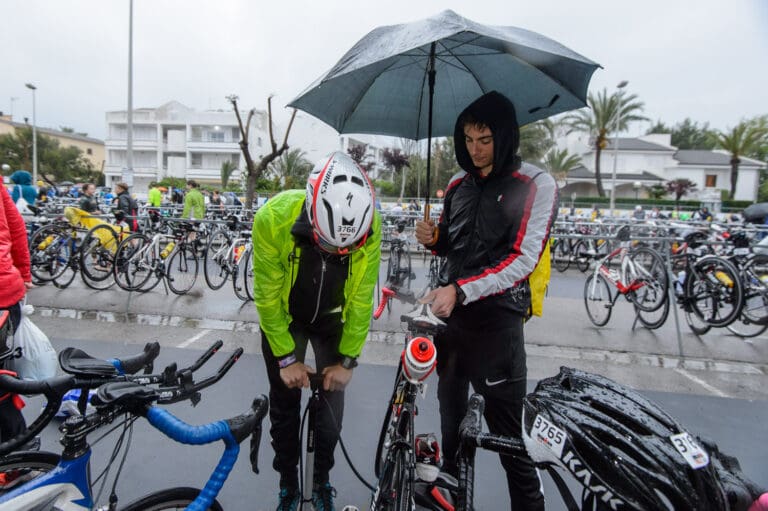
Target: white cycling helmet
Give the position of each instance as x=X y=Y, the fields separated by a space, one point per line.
x=339 y=203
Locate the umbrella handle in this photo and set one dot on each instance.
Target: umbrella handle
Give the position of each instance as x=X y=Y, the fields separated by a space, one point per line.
x=426 y=212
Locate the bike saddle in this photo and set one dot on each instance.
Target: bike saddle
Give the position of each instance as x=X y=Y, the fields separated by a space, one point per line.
x=421 y=319
x=79 y=363
x=124 y=393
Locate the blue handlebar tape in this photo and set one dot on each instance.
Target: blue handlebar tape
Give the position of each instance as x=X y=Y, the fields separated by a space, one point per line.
x=184 y=433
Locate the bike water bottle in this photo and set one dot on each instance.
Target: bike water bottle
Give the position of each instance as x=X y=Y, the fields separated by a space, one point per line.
x=44 y=244
x=167 y=250
x=238 y=252
x=419 y=358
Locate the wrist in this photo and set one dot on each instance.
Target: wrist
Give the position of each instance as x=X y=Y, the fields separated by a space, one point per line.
x=348 y=362
x=286 y=360
x=460 y=296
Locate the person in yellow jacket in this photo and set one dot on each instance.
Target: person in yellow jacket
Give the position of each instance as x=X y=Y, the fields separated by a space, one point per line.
x=315 y=263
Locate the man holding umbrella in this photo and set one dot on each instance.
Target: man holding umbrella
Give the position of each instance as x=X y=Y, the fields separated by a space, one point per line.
x=495 y=223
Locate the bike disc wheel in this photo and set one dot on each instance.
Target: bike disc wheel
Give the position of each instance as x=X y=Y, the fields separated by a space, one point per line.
x=19 y=467
x=597 y=299
x=215 y=263
x=181 y=272
x=168 y=500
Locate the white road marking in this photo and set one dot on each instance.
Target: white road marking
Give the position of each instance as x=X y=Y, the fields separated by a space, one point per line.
x=193 y=339
x=701 y=382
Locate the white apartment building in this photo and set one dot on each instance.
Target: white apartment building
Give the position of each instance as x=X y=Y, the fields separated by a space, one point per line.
x=174 y=140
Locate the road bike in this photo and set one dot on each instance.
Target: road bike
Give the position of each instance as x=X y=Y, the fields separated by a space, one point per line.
x=68 y=486
x=228 y=254
x=395 y=462
x=641 y=278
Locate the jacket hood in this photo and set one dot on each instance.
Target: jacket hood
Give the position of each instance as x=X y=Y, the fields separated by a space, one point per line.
x=21 y=177
x=497 y=112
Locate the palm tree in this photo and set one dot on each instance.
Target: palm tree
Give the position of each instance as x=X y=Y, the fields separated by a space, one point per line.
x=745 y=139
x=397 y=161
x=680 y=187
x=536 y=139
x=559 y=162
x=227 y=168
x=291 y=168
x=600 y=120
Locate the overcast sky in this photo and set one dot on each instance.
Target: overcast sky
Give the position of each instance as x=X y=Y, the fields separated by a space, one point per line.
x=703 y=59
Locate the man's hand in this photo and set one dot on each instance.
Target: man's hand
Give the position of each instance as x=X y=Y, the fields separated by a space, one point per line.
x=336 y=377
x=425 y=232
x=296 y=375
x=443 y=300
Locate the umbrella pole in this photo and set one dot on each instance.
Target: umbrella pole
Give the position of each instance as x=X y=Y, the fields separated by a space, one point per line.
x=431 y=80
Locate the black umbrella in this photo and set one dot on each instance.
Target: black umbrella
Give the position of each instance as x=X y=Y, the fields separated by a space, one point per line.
x=756 y=212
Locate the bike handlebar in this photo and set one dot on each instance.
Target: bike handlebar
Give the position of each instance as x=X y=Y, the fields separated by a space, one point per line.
x=386 y=294
x=471 y=433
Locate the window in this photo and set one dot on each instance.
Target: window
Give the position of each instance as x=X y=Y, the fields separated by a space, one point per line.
x=89 y=151
x=197 y=160
x=710 y=181
x=216 y=136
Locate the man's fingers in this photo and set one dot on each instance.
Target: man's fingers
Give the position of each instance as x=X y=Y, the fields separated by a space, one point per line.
x=428 y=298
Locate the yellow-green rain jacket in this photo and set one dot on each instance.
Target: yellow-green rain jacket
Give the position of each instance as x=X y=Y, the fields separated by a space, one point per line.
x=275 y=267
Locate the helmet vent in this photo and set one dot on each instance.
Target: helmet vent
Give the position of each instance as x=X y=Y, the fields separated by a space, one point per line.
x=329 y=215
x=339 y=179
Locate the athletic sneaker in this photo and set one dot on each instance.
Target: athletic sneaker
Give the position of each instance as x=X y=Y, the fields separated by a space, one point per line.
x=322 y=497
x=289 y=499
x=427 y=457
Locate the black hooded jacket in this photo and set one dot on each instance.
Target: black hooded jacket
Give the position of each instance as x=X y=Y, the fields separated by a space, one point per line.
x=494 y=228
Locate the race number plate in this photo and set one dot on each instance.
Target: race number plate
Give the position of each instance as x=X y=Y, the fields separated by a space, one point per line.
x=548 y=435
x=693 y=454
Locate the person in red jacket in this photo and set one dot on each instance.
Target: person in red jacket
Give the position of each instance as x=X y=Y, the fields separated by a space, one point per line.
x=15 y=279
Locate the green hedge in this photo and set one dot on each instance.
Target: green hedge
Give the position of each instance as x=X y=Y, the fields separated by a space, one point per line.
x=665 y=204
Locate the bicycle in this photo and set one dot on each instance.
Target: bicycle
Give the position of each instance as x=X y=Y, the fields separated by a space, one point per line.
x=139 y=258
x=608 y=479
x=68 y=487
x=642 y=279
x=395 y=462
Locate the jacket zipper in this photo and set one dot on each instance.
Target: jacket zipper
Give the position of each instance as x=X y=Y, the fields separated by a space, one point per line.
x=320 y=288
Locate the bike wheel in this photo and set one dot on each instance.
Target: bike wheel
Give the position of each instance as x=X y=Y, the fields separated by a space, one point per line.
x=49 y=252
x=581 y=255
x=697 y=325
x=216 y=264
x=648 y=269
x=597 y=299
x=746 y=328
x=170 y=499
x=390 y=418
x=395 y=489
x=181 y=272
x=132 y=266
x=70 y=271
x=715 y=291
x=653 y=319
x=393 y=266
x=562 y=254
x=246 y=262
x=19 y=467
x=755 y=279
x=97 y=255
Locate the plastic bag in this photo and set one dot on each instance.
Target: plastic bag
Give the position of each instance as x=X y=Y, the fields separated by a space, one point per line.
x=38 y=359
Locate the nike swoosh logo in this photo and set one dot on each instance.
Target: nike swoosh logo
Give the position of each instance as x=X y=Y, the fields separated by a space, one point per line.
x=490 y=383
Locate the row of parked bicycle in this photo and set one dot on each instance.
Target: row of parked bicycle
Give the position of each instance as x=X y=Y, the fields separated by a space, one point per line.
x=164 y=249
x=717 y=274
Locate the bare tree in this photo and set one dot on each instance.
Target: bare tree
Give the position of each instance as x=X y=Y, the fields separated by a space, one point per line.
x=254 y=171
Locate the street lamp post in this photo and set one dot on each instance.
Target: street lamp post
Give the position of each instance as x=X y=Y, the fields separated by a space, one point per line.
x=34 y=134
x=617 y=122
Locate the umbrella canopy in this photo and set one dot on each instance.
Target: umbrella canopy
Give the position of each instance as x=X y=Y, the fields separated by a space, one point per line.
x=382 y=85
x=756 y=212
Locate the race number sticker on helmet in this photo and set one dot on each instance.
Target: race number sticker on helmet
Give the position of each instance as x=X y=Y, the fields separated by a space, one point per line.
x=548 y=435
x=693 y=454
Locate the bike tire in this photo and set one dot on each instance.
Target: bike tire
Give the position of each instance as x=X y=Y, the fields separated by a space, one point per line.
x=131 y=269
x=50 y=262
x=169 y=499
x=695 y=323
x=387 y=427
x=581 y=256
x=97 y=256
x=656 y=318
x=650 y=270
x=717 y=303
x=66 y=278
x=561 y=254
x=216 y=264
x=755 y=278
x=395 y=488
x=246 y=260
x=181 y=270
x=23 y=466
x=746 y=328
x=598 y=300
